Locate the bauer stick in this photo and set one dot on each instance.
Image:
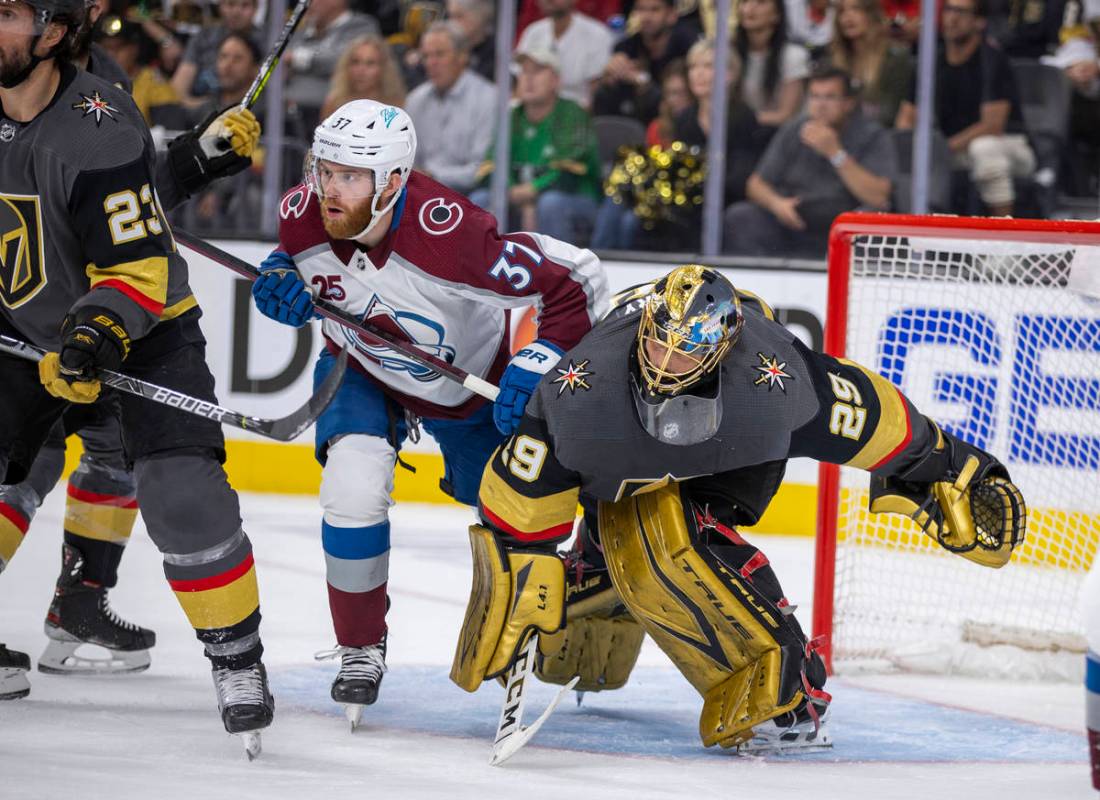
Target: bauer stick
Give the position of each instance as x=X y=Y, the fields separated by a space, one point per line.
x=271 y=62
x=282 y=429
x=511 y=734
x=373 y=336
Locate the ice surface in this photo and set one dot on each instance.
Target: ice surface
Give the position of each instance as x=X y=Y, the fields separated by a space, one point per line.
x=157 y=734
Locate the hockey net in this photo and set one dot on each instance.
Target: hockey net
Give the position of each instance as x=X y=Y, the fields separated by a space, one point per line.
x=992 y=328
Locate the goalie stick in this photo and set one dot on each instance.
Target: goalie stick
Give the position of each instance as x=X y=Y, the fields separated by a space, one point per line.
x=370 y=334
x=282 y=429
x=511 y=735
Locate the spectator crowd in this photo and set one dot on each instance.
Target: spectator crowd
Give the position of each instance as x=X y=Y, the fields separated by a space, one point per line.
x=821 y=103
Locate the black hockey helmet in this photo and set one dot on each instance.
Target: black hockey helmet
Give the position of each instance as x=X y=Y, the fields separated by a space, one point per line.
x=688 y=325
x=69 y=12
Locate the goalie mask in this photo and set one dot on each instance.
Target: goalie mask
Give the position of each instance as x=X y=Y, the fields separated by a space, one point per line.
x=356 y=150
x=688 y=325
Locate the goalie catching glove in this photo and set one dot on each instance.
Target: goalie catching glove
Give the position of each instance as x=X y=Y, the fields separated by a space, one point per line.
x=961 y=496
x=219 y=146
x=92 y=339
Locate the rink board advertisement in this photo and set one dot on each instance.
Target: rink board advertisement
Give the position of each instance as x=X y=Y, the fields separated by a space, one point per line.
x=265 y=369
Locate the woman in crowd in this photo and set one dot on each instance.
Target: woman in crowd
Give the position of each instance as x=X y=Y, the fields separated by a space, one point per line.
x=675 y=99
x=366 y=71
x=774 y=69
x=862 y=46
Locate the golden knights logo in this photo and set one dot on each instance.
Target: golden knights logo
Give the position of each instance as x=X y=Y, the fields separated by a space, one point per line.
x=22 y=270
x=96 y=104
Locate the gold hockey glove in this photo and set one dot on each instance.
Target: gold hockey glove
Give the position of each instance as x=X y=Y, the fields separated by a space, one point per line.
x=515 y=593
x=219 y=146
x=240 y=128
x=92 y=338
x=962 y=497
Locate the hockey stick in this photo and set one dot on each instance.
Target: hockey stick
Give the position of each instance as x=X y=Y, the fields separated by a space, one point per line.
x=511 y=734
x=267 y=69
x=282 y=429
x=369 y=333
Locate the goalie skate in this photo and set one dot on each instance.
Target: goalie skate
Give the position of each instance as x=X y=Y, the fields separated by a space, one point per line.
x=80 y=615
x=245 y=704
x=14 y=667
x=805 y=728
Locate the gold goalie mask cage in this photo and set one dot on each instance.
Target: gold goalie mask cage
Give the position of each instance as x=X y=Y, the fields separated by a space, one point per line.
x=688 y=325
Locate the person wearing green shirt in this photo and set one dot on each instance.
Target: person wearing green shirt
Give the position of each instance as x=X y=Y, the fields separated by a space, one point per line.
x=554 y=180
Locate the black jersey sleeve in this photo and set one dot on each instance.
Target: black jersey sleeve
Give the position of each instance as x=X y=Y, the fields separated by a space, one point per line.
x=526 y=495
x=117 y=216
x=862 y=420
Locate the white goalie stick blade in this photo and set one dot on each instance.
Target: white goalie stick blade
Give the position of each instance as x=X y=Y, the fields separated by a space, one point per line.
x=511 y=733
x=253 y=745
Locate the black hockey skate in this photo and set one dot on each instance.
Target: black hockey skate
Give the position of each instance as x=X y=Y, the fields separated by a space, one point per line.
x=360 y=675
x=80 y=614
x=14 y=667
x=245 y=703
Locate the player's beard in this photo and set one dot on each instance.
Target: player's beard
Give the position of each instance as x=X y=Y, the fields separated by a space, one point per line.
x=350 y=223
x=14 y=66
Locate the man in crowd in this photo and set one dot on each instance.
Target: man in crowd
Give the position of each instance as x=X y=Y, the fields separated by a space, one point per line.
x=977 y=107
x=631 y=82
x=454 y=110
x=195 y=78
x=327 y=29
x=582 y=44
x=554 y=175
x=475 y=19
x=826 y=161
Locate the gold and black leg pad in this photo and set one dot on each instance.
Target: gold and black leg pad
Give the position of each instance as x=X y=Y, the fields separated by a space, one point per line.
x=734 y=645
x=601 y=640
x=515 y=593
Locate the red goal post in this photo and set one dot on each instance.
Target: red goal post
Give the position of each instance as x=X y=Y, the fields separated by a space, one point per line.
x=992 y=327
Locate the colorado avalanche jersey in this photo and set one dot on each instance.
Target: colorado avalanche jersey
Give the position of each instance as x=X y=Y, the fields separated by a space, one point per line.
x=443 y=279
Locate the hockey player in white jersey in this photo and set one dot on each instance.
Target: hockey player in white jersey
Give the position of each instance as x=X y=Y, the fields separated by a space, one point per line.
x=387 y=244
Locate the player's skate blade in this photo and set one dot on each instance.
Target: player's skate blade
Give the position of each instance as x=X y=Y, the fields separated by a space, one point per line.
x=253 y=744
x=61 y=658
x=353 y=712
x=14 y=667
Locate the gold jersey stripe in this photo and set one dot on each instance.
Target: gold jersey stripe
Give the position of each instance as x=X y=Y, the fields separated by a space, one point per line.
x=526 y=515
x=894 y=428
x=147 y=276
x=174 y=310
x=224 y=606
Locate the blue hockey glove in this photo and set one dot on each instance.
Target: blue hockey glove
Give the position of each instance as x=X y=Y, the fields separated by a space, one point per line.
x=281 y=294
x=523 y=374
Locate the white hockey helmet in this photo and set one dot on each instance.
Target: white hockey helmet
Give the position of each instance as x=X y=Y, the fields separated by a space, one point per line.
x=366 y=135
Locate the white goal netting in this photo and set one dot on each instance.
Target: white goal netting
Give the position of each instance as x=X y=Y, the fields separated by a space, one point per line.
x=999 y=342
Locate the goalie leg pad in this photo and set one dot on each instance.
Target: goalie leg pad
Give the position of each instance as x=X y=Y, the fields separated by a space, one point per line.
x=600 y=642
x=960 y=496
x=733 y=644
x=515 y=593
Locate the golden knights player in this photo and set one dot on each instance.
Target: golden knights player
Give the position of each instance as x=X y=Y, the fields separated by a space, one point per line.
x=101 y=502
x=678 y=418
x=91 y=273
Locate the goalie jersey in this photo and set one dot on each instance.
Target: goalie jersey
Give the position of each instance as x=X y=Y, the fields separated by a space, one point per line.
x=80 y=221
x=581 y=433
x=444 y=279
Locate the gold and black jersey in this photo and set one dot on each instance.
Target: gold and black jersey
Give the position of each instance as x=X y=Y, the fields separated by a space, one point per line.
x=80 y=220
x=780 y=399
